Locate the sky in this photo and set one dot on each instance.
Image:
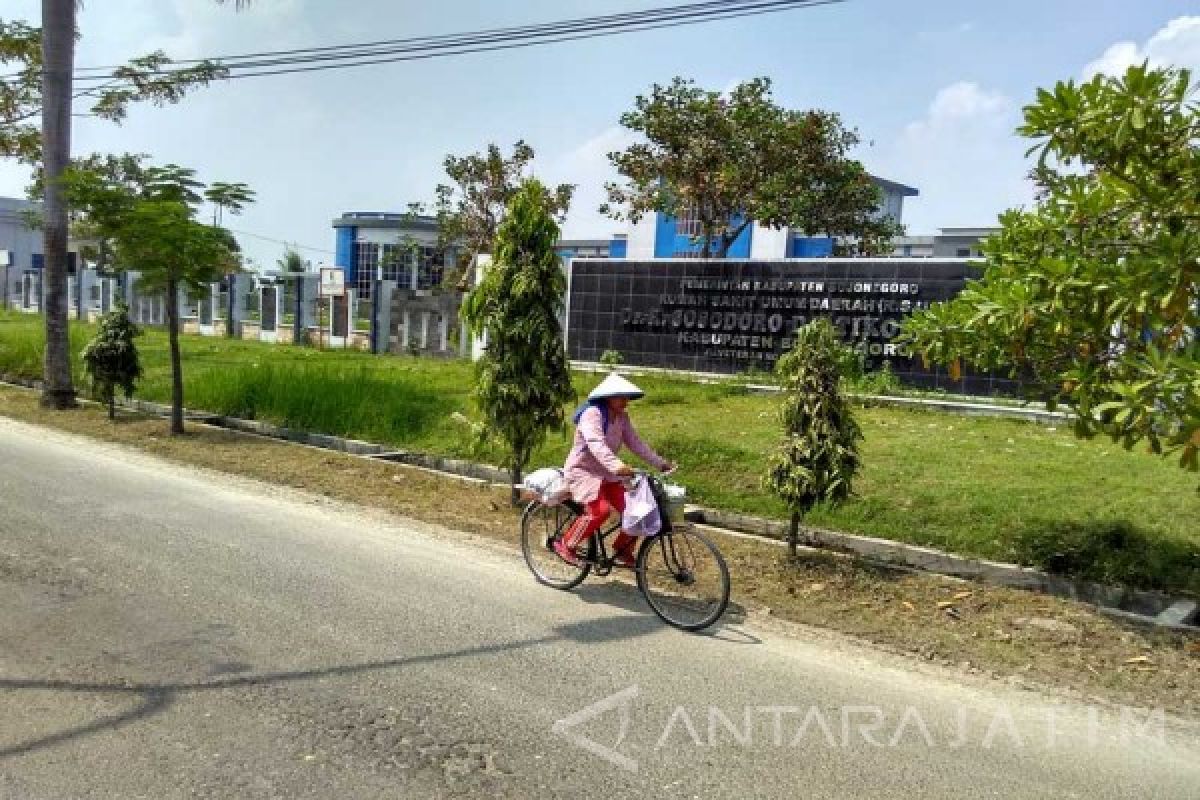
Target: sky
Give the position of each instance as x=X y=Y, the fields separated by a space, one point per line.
x=934 y=88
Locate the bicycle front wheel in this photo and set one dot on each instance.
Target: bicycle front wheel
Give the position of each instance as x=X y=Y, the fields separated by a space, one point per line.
x=684 y=579
x=540 y=526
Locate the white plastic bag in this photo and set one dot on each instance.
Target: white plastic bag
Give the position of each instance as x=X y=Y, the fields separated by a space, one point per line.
x=641 y=517
x=547 y=486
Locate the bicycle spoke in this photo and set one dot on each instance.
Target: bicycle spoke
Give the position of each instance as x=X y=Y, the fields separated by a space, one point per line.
x=685 y=580
x=540 y=525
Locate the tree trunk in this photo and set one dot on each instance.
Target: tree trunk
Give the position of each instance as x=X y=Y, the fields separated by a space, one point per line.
x=58 y=54
x=706 y=247
x=112 y=406
x=516 y=482
x=793 y=539
x=176 y=365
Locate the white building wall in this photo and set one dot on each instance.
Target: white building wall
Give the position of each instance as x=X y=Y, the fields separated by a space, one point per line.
x=18 y=239
x=769 y=242
x=641 y=238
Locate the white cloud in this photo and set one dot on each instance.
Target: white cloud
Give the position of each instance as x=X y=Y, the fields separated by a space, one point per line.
x=1176 y=44
x=587 y=166
x=961 y=29
x=962 y=155
x=966 y=101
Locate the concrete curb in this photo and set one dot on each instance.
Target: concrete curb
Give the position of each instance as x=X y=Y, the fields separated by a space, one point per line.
x=1145 y=607
x=354 y=447
x=1030 y=413
x=1137 y=606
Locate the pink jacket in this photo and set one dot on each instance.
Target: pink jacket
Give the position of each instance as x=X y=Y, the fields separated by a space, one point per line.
x=593 y=458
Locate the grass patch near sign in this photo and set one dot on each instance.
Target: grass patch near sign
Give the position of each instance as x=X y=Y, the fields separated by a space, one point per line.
x=991 y=488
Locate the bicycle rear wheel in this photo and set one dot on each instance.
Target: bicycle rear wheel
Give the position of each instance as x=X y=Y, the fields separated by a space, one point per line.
x=684 y=579
x=540 y=525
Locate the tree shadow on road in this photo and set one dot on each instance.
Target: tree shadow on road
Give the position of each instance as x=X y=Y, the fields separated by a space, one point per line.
x=155 y=698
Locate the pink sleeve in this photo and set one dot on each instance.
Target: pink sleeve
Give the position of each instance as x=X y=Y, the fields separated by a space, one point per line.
x=635 y=443
x=591 y=425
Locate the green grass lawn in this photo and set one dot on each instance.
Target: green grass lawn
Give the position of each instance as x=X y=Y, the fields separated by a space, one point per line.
x=993 y=488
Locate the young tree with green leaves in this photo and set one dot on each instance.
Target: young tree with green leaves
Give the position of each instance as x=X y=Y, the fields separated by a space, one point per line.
x=152 y=228
x=110 y=359
x=42 y=86
x=172 y=251
x=1093 y=296
x=735 y=159
x=818 y=459
x=523 y=379
x=471 y=209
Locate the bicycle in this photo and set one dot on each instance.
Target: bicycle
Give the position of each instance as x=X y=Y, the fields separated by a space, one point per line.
x=680 y=572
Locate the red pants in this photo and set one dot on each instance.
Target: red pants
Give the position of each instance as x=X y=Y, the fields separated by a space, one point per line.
x=611 y=498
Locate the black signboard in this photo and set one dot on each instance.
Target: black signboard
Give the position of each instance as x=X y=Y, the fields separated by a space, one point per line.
x=735 y=316
x=341 y=316
x=270 y=308
x=206 y=309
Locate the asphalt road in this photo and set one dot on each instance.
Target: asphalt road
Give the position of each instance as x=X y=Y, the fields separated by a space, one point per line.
x=169 y=633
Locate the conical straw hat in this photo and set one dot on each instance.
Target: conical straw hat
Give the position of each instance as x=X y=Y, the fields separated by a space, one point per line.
x=616 y=386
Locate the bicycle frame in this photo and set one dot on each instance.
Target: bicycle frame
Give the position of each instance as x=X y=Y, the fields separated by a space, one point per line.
x=603 y=564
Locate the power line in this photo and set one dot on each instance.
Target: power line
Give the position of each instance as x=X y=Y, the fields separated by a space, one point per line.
x=422 y=48
x=458 y=39
x=281 y=241
x=611 y=24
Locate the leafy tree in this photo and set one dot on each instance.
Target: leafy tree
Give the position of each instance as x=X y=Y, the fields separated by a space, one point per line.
x=42 y=86
x=1093 y=296
x=227 y=197
x=818 y=459
x=471 y=210
x=732 y=160
x=151 y=78
x=111 y=357
x=523 y=379
x=151 y=226
x=127 y=170
x=292 y=262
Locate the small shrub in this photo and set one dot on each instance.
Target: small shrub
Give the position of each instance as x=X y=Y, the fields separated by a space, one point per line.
x=612 y=359
x=110 y=359
x=882 y=381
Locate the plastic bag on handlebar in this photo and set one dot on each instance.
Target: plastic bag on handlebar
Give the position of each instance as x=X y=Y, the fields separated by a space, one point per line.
x=642 y=516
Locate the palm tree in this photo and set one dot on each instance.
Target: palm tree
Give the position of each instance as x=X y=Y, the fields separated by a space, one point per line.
x=231 y=197
x=292 y=262
x=58 y=66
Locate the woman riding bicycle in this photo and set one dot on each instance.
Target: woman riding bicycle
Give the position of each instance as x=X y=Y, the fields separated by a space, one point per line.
x=593 y=473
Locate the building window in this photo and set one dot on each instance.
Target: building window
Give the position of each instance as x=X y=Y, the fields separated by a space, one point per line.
x=366 y=261
x=431 y=267
x=964 y=252
x=395 y=266
x=688 y=224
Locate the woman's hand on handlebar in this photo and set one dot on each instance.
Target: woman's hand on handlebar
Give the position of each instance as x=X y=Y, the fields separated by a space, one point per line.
x=668 y=467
